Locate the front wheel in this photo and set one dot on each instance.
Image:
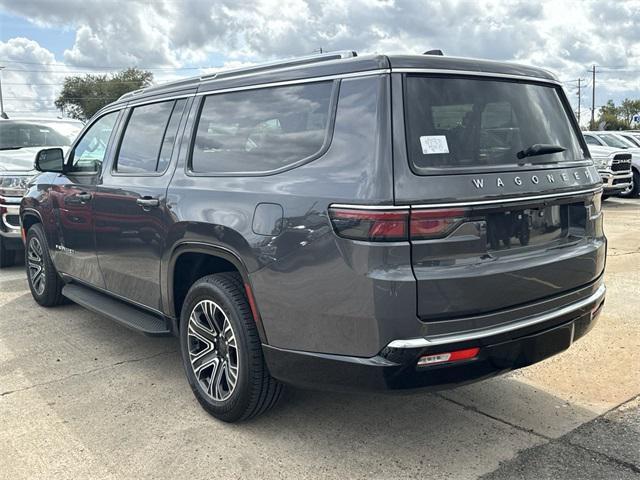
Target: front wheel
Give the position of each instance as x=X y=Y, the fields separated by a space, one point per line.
x=44 y=282
x=222 y=352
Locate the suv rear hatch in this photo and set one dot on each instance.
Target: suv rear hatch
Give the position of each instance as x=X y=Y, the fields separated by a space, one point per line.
x=505 y=208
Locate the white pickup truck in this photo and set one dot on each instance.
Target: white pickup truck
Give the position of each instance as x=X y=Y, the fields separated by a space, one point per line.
x=616 y=141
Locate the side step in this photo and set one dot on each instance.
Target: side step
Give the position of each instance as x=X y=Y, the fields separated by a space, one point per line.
x=129 y=316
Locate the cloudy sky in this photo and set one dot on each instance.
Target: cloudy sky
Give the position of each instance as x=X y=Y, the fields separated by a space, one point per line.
x=41 y=41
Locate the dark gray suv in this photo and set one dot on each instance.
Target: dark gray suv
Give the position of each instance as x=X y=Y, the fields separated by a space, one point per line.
x=336 y=221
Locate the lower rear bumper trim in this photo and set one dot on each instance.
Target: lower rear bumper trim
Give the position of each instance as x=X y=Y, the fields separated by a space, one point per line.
x=422 y=342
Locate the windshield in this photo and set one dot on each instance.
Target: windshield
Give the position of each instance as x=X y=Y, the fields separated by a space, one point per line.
x=614 y=141
x=465 y=123
x=15 y=135
x=633 y=139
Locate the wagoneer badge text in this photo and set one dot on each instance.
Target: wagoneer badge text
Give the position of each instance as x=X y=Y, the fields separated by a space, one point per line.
x=549 y=178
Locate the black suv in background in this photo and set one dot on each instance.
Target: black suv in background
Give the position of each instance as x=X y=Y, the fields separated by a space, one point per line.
x=336 y=221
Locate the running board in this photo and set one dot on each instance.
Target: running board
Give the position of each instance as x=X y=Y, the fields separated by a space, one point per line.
x=118 y=311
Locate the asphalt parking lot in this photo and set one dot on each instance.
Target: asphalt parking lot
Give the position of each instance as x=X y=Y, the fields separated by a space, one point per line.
x=81 y=397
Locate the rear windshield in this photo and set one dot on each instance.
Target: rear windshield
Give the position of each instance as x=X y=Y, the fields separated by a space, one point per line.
x=463 y=123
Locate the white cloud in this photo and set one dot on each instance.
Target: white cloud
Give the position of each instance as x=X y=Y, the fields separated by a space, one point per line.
x=564 y=36
x=28 y=88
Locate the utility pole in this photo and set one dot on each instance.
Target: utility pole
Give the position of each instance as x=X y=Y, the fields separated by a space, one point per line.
x=2 y=114
x=579 y=98
x=593 y=98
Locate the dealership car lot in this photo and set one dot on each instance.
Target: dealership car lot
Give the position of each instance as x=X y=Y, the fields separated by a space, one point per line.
x=81 y=397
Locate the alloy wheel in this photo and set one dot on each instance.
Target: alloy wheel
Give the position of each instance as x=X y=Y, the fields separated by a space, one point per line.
x=213 y=350
x=35 y=260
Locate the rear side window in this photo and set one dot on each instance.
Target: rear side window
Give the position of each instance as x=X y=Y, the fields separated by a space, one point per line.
x=148 y=139
x=465 y=123
x=259 y=131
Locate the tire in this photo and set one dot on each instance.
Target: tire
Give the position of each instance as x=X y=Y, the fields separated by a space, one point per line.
x=44 y=282
x=7 y=257
x=219 y=340
x=635 y=190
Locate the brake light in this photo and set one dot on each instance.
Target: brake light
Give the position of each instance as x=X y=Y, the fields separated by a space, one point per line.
x=394 y=225
x=455 y=356
x=370 y=225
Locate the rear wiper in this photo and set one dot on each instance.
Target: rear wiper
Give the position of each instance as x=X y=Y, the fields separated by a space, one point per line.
x=539 y=149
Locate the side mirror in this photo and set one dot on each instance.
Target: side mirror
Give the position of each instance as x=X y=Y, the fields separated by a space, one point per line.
x=50 y=160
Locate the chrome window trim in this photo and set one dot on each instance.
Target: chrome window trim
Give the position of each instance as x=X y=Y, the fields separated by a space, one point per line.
x=489 y=332
x=132 y=103
x=474 y=73
x=468 y=204
x=160 y=99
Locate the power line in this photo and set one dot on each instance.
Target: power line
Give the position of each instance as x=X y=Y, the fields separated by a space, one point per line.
x=99 y=67
x=64 y=72
x=69 y=98
x=62 y=83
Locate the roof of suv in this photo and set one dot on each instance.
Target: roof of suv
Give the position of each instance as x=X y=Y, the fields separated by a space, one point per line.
x=330 y=64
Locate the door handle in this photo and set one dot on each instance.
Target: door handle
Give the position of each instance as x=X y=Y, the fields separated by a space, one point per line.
x=83 y=196
x=148 y=202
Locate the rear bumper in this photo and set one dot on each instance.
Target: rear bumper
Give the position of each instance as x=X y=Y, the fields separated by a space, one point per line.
x=518 y=344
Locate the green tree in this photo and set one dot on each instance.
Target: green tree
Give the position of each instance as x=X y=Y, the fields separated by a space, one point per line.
x=82 y=96
x=610 y=118
x=628 y=108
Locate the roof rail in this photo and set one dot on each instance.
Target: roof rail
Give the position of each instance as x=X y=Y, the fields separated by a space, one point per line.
x=291 y=62
x=132 y=93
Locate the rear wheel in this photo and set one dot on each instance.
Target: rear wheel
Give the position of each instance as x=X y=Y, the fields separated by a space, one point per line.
x=44 y=282
x=222 y=352
x=7 y=257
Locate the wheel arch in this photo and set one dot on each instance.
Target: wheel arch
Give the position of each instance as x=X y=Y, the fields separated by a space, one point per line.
x=28 y=219
x=190 y=261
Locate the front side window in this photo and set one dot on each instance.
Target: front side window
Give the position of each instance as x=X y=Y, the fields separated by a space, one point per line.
x=467 y=123
x=261 y=130
x=148 y=138
x=90 y=151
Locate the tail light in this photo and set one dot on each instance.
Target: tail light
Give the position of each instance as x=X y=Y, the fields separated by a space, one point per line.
x=394 y=225
x=370 y=225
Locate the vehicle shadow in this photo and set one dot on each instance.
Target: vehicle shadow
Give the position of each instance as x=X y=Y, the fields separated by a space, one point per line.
x=123 y=399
